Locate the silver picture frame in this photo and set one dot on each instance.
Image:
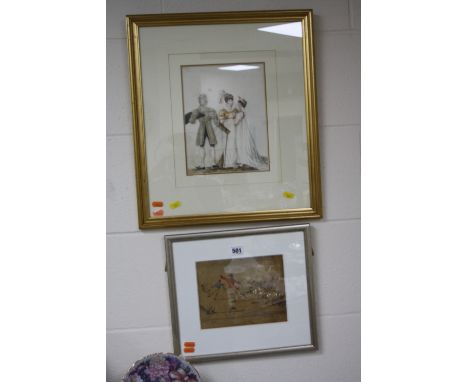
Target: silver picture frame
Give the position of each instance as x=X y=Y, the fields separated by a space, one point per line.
x=170 y=240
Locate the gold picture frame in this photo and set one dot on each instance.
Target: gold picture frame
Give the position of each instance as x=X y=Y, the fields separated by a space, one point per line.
x=146 y=218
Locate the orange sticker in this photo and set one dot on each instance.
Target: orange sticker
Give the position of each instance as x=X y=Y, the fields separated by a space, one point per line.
x=157 y=203
x=189 y=350
x=158 y=213
x=189 y=344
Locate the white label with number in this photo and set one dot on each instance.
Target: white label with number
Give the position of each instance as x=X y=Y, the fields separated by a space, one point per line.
x=237 y=250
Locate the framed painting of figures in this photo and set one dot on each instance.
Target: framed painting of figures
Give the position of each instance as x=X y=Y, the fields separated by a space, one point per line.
x=210 y=147
x=224 y=117
x=242 y=292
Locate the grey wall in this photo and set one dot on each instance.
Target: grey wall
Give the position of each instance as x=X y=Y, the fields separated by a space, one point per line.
x=138 y=317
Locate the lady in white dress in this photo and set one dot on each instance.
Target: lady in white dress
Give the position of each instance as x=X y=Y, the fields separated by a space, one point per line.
x=241 y=150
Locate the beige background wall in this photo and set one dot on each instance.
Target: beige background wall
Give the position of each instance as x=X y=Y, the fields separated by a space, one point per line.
x=138 y=317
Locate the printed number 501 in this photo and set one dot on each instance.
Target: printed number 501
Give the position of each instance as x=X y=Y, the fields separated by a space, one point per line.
x=236 y=250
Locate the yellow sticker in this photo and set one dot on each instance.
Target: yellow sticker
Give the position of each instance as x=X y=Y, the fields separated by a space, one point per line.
x=174 y=205
x=289 y=195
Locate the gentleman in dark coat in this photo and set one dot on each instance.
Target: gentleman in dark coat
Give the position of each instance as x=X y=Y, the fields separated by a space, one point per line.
x=207 y=121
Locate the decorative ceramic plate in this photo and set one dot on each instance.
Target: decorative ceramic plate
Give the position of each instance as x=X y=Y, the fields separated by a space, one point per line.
x=162 y=367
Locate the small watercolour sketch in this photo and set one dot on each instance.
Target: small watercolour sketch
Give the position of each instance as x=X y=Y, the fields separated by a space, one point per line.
x=243 y=291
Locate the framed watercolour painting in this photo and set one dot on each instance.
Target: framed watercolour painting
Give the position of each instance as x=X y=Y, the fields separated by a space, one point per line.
x=224 y=116
x=242 y=292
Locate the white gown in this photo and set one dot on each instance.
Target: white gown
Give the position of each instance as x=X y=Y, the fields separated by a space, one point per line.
x=240 y=146
x=246 y=148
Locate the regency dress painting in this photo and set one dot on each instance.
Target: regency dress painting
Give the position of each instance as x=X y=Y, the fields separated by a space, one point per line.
x=225 y=118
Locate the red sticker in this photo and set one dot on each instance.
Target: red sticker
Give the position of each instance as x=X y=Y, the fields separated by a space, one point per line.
x=158 y=213
x=189 y=350
x=189 y=344
x=157 y=203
